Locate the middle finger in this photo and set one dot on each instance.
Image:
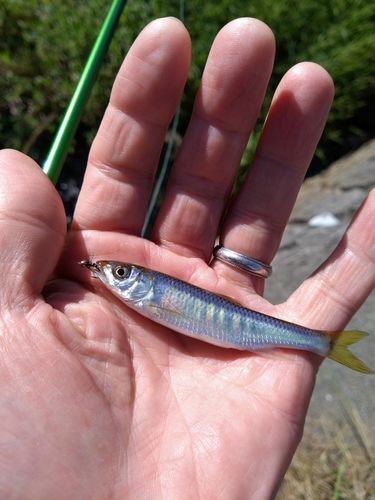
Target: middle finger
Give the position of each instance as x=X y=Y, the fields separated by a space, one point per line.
x=225 y=111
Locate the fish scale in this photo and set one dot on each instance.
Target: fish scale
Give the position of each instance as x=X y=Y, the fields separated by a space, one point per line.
x=242 y=328
x=200 y=314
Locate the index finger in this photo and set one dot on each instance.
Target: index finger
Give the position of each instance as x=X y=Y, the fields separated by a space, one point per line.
x=126 y=150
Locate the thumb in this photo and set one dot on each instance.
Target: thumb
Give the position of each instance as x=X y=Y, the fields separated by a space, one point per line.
x=32 y=227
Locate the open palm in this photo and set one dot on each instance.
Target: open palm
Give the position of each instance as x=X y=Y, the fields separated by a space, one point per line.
x=99 y=402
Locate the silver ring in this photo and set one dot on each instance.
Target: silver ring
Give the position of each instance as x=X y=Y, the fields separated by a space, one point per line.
x=242 y=262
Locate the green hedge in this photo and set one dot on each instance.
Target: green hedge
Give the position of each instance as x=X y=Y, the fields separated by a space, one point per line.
x=45 y=43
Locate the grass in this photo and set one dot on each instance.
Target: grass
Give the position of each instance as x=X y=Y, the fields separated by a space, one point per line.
x=334 y=461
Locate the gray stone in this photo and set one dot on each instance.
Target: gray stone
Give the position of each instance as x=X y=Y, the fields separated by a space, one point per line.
x=339 y=190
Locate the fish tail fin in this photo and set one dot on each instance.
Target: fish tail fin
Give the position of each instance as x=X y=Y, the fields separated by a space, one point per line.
x=340 y=352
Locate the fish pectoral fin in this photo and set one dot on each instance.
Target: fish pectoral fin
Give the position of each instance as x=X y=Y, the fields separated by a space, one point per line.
x=340 y=352
x=157 y=311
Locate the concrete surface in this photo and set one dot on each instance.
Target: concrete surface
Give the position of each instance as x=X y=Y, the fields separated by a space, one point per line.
x=339 y=190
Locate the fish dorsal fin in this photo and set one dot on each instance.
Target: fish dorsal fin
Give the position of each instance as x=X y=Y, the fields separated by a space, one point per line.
x=229 y=299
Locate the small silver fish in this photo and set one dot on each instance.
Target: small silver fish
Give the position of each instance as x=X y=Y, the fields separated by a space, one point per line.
x=212 y=318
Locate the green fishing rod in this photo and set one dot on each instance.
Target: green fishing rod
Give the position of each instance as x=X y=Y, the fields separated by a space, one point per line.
x=57 y=154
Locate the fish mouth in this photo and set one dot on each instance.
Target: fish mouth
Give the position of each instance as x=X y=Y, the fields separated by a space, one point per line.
x=92 y=266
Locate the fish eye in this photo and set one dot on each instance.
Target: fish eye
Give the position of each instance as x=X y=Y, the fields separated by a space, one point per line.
x=121 y=272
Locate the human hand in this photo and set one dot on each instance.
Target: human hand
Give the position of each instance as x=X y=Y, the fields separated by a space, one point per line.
x=99 y=402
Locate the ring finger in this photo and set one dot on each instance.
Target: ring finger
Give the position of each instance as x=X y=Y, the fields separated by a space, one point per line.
x=257 y=217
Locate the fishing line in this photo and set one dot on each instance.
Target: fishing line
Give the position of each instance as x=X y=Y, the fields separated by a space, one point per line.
x=147 y=227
